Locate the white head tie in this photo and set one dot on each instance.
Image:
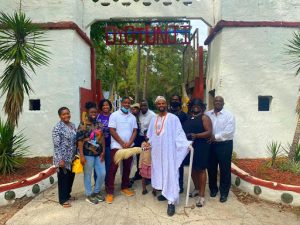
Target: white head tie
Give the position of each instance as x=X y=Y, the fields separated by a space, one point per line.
x=160 y=98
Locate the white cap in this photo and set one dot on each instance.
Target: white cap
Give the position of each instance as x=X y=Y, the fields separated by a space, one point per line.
x=159 y=98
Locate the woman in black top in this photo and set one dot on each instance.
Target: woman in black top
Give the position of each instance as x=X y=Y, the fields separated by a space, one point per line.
x=198 y=128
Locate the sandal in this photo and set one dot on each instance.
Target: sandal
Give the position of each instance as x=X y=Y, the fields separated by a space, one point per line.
x=66 y=204
x=194 y=193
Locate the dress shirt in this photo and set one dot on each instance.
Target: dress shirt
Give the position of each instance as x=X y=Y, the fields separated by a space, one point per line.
x=145 y=121
x=223 y=124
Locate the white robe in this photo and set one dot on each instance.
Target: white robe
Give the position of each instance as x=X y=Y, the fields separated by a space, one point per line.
x=167 y=153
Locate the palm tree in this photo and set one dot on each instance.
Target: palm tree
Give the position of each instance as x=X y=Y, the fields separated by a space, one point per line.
x=293 y=49
x=22 y=49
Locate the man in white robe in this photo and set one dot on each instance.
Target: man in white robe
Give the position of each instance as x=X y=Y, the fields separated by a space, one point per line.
x=169 y=147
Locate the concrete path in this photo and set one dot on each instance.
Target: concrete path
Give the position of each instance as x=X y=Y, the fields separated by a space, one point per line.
x=142 y=209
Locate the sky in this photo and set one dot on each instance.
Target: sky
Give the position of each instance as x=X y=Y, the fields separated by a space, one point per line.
x=203 y=30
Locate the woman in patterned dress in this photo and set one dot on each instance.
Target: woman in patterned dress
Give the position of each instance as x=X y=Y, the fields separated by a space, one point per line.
x=64 y=139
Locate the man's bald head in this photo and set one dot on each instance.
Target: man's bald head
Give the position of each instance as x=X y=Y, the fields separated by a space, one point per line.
x=218 y=103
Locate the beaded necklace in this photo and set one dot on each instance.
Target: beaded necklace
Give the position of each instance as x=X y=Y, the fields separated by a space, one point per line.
x=158 y=131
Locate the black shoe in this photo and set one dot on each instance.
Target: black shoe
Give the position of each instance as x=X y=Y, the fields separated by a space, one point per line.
x=161 y=198
x=181 y=190
x=144 y=192
x=171 y=209
x=223 y=199
x=213 y=194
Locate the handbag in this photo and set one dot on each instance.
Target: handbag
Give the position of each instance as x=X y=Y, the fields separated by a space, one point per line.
x=76 y=165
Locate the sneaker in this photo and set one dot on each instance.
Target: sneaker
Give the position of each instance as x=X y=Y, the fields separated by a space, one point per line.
x=200 y=202
x=92 y=200
x=109 y=198
x=99 y=197
x=194 y=193
x=127 y=192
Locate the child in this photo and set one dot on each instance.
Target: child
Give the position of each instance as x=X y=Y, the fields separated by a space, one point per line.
x=90 y=142
x=145 y=166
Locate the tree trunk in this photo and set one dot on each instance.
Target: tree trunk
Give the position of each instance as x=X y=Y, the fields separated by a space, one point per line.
x=138 y=74
x=295 y=142
x=111 y=90
x=146 y=74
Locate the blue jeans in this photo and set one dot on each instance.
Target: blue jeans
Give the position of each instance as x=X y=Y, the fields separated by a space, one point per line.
x=107 y=162
x=93 y=163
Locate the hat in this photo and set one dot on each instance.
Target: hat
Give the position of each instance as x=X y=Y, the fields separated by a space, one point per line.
x=159 y=98
x=135 y=105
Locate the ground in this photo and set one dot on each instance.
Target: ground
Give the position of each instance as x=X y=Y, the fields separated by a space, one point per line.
x=147 y=210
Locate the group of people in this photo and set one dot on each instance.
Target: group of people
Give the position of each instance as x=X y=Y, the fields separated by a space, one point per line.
x=164 y=137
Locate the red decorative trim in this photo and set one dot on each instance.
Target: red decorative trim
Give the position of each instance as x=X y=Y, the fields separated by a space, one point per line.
x=26 y=182
x=264 y=183
x=222 y=23
x=96 y=89
x=67 y=25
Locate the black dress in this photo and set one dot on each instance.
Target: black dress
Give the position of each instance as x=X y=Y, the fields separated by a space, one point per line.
x=201 y=147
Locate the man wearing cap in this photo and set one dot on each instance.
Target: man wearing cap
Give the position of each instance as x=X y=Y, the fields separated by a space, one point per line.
x=169 y=146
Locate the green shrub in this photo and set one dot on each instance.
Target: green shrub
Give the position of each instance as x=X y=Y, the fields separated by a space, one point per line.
x=12 y=148
x=234 y=157
x=274 y=150
x=290 y=166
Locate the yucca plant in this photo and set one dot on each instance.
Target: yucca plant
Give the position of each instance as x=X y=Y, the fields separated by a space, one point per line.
x=274 y=150
x=22 y=48
x=12 y=148
x=296 y=157
x=293 y=50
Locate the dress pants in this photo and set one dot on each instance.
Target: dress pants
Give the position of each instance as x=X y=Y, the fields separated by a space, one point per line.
x=113 y=170
x=220 y=155
x=65 y=181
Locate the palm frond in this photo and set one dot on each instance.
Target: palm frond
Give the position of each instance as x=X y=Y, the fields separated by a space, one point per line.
x=12 y=148
x=293 y=50
x=22 y=41
x=14 y=83
x=22 y=47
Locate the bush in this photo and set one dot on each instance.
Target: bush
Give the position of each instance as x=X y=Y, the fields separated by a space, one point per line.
x=234 y=157
x=290 y=166
x=12 y=149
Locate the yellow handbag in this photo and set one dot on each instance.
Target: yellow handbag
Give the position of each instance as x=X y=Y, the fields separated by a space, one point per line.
x=76 y=165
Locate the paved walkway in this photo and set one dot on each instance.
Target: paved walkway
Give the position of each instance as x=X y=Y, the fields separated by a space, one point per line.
x=145 y=210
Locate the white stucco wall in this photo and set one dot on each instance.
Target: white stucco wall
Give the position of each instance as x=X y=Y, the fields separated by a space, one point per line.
x=48 y=10
x=198 y=9
x=258 y=10
x=251 y=63
x=55 y=85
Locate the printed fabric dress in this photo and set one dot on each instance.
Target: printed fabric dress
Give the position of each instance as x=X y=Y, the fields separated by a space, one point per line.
x=145 y=163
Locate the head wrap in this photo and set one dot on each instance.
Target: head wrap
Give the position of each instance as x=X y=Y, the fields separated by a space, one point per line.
x=160 y=98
